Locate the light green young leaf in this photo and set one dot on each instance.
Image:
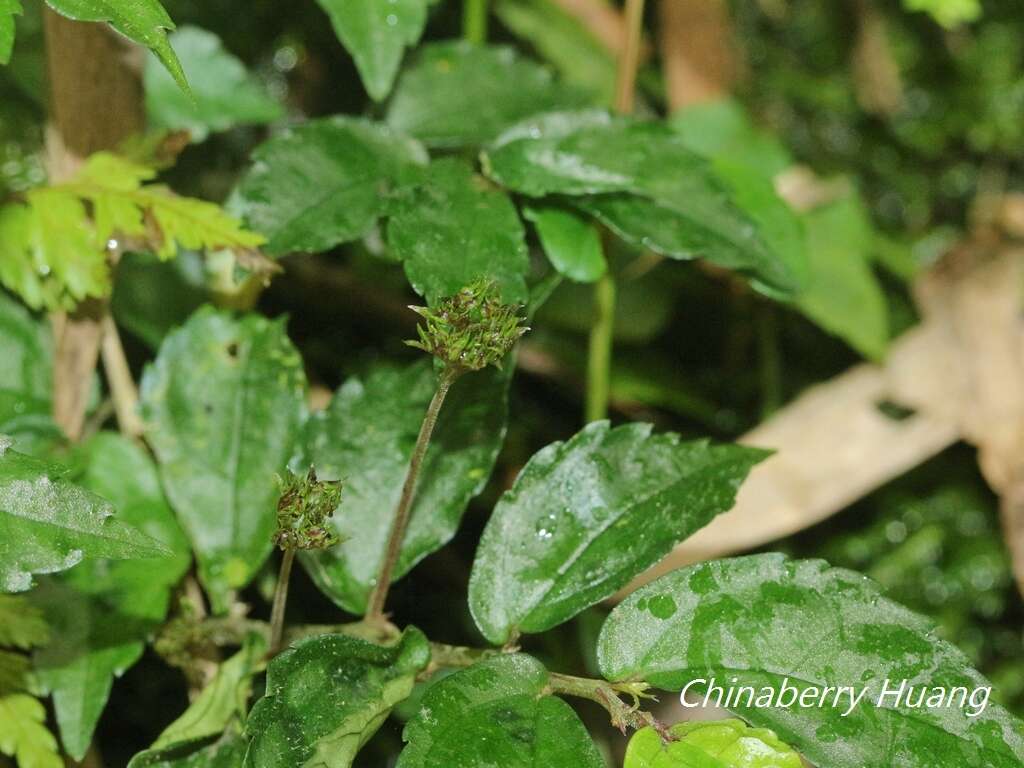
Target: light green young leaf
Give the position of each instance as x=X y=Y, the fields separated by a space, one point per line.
x=223 y=405
x=365 y=438
x=224 y=94
x=764 y=621
x=949 y=13
x=227 y=751
x=496 y=713
x=376 y=34
x=102 y=611
x=453 y=228
x=561 y=39
x=458 y=94
x=641 y=180
x=144 y=21
x=8 y=10
x=222 y=701
x=324 y=183
x=21 y=624
x=55 y=246
x=587 y=515
x=326 y=696
x=843 y=295
x=571 y=243
x=718 y=744
x=48 y=524
x=23 y=733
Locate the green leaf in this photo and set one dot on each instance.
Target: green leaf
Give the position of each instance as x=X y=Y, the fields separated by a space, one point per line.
x=324 y=183
x=376 y=34
x=366 y=437
x=55 y=243
x=459 y=94
x=843 y=295
x=571 y=243
x=561 y=39
x=641 y=180
x=144 y=21
x=223 y=405
x=152 y=297
x=454 y=228
x=222 y=701
x=103 y=611
x=720 y=744
x=48 y=524
x=767 y=622
x=326 y=696
x=26 y=378
x=949 y=13
x=587 y=515
x=224 y=94
x=23 y=733
x=496 y=713
x=21 y=624
x=8 y=10
x=228 y=751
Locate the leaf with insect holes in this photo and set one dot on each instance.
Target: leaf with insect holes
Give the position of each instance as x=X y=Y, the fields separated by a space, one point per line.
x=587 y=515
x=144 y=21
x=223 y=404
x=55 y=243
x=763 y=621
x=496 y=713
x=326 y=696
x=458 y=94
x=453 y=228
x=324 y=183
x=365 y=438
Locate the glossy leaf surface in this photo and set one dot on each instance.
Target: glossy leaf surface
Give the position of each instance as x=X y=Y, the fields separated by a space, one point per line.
x=496 y=713
x=324 y=182
x=326 y=696
x=459 y=94
x=48 y=524
x=716 y=744
x=571 y=242
x=587 y=515
x=223 y=404
x=453 y=228
x=764 y=621
x=365 y=438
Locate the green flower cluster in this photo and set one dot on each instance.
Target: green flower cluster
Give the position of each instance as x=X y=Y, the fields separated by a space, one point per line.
x=470 y=330
x=305 y=505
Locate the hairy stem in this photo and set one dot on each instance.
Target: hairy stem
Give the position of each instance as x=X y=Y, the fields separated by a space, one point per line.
x=599 y=358
x=474 y=21
x=280 y=601
x=608 y=695
x=375 y=609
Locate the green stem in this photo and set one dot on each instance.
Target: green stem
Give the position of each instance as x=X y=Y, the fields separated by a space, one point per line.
x=375 y=608
x=600 y=354
x=608 y=695
x=474 y=21
x=280 y=600
x=599 y=360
